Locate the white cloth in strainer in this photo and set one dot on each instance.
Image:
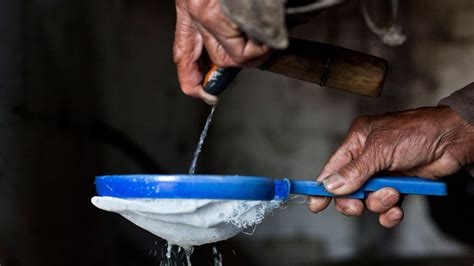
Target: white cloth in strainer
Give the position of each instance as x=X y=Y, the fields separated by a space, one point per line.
x=189 y=222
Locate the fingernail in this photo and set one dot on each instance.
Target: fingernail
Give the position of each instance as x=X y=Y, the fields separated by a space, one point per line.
x=394 y=215
x=333 y=182
x=388 y=199
x=349 y=211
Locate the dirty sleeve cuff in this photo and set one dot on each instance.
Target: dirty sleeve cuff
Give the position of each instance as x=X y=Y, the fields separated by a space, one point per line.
x=462 y=102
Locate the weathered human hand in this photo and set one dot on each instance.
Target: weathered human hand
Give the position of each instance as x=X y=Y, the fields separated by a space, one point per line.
x=430 y=142
x=202 y=23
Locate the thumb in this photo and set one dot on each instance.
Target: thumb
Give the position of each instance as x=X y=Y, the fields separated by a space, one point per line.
x=351 y=176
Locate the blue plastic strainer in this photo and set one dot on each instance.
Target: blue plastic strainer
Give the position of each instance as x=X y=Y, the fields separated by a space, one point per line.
x=246 y=187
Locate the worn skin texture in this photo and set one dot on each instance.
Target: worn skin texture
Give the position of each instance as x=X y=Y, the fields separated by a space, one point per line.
x=226 y=45
x=430 y=142
x=462 y=101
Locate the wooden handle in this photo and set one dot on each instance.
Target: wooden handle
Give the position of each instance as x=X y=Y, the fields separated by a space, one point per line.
x=330 y=66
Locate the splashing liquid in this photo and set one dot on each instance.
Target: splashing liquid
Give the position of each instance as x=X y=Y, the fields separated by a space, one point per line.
x=166 y=260
x=171 y=257
x=168 y=251
x=192 y=168
x=217 y=257
x=188 y=251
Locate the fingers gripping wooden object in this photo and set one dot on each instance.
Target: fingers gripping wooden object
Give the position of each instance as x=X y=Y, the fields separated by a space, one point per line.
x=322 y=64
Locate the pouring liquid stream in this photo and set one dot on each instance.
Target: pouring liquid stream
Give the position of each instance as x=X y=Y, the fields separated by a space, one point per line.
x=192 y=168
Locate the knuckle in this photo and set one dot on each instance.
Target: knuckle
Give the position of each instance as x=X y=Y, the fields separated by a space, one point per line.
x=356 y=171
x=240 y=59
x=195 y=8
x=221 y=59
x=353 y=150
x=216 y=59
x=358 y=131
x=178 y=53
x=248 y=57
x=228 y=61
x=242 y=56
x=360 y=122
x=177 y=57
x=382 y=200
x=205 y=12
x=208 y=19
x=350 y=207
x=219 y=56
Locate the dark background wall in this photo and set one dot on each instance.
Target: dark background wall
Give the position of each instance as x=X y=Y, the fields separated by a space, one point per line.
x=89 y=87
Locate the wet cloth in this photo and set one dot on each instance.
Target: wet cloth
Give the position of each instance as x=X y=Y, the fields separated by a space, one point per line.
x=188 y=222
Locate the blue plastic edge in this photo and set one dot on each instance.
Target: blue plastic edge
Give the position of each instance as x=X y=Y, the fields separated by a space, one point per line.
x=187 y=186
x=408 y=185
x=282 y=189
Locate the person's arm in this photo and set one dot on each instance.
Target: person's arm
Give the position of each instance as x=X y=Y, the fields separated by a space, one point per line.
x=428 y=142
